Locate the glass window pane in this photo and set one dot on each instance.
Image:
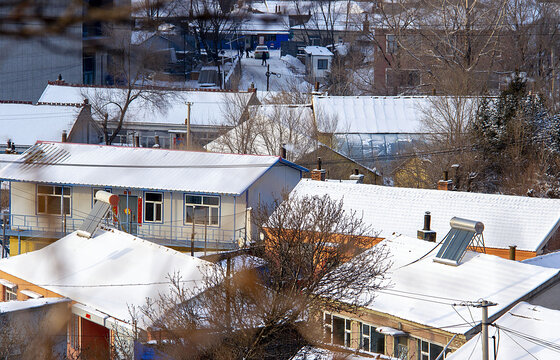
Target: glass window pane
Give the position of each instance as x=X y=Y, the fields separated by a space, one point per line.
x=338 y=331
x=192 y=199
x=53 y=205
x=435 y=350
x=58 y=190
x=365 y=345
x=424 y=346
x=67 y=205
x=348 y=324
x=215 y=218
x=66 y=191
x=158 y=212
x=365 y=329
x=44 y=189
x=41 y=200
x=188 y=214
x=149 y=216
x=201 y=215
x=154 y=197
x=211 y=200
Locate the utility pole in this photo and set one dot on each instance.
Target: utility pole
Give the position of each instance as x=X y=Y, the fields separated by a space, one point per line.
x=267 y=74
x=188 y=121
x=484 y=304
x=3 y=235
x=192 y=233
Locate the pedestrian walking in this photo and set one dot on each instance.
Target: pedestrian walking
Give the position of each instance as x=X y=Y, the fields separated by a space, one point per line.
x=264 y=58
x=247 y=51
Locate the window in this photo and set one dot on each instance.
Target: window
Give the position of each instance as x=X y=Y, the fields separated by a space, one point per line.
x=204 y=209
x=372 y=341
x=429 y=351
x=401 y=347
x=51 y=199
x=392 y=44
x=153 y=206
x=322 y=64
x=338 y=331
x=10 y=293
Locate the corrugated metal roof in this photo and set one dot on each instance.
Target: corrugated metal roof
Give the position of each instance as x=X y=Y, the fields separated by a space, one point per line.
x=24 y=124
x=142 y=168
x=423 y=291
x=508 y=220
x=107 y=272
x=208 y=107
x=374 y=114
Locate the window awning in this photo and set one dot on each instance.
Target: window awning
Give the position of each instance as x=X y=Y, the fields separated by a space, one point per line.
x=385 y=330
x=8 y=284
x=31 y=294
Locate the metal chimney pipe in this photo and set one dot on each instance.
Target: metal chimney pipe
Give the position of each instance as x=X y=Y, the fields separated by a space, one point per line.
x=356 y=172
x=283 y=152
x=136 y=140
x=445 y=175
x=512 y=249
x=427 y=220
x=64 y=136
x=319 y=163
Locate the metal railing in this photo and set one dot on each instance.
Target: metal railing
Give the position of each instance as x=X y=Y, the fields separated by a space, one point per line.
x=163 y=234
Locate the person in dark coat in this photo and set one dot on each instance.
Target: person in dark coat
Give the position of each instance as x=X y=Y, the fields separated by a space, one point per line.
x=264 y=58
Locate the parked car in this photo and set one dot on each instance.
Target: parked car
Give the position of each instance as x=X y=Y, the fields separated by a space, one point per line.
x=260 y=50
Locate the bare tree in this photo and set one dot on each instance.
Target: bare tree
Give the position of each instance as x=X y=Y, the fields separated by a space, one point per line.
x=313 y=257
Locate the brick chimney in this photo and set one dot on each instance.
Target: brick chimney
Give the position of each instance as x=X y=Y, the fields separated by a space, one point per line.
x=445 y=184
x=426 y=233
x=60 y=80
x=357 y=176
x=318 y=174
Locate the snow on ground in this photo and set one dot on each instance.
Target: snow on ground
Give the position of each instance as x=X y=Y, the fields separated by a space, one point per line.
x=254 y=72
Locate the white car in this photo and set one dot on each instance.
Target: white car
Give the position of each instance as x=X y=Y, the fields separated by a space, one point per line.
x=260 y=50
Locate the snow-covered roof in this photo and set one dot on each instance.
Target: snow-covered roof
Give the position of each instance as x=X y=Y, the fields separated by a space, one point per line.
x=209 y=107
x=24 y=124
x=11 y=306
x=265 y=24
x=526 y=332
x=6 y=159
x=508 y=220
x=141 y=168
x=551 y=260
x=378 y=114
x=109 y=272
x=317 y=51
x=424 y=291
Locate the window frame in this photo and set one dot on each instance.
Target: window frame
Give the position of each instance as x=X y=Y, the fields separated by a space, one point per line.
x=160 y=203
x=391 y=46
x=369 y=337
x=10 y=294
x=320 y=61
x=53 y=194
x=422 y=353
x=347 y=329
x=218 y=207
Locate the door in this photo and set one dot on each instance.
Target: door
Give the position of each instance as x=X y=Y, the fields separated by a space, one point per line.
x=128 y=213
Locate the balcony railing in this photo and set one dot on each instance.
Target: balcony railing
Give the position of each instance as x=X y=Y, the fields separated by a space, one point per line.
x=169 y=235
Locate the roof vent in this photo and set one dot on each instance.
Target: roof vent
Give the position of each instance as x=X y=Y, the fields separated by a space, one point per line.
x=463 y=234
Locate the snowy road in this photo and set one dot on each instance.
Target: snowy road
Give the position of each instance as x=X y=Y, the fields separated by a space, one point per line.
x=291 y=72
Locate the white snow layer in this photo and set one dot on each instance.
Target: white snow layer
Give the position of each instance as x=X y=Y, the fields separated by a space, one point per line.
x=109 y=272
x=508 y=220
